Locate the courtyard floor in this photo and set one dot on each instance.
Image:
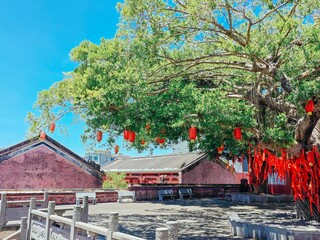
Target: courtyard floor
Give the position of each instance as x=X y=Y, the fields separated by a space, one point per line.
x=199 y=219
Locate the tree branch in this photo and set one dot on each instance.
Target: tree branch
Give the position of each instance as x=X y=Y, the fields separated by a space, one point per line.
x=308 y=73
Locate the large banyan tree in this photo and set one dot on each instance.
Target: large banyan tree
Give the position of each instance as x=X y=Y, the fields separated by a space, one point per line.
x=214 y=64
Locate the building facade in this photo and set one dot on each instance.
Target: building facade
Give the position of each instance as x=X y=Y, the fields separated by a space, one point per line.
x=100 y=157
x=188 y=168
x=45 y=164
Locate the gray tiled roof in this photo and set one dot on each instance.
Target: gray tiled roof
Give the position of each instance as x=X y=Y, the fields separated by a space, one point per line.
x=163 y=163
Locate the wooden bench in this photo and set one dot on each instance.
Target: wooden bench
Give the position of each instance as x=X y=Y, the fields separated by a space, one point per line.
x=165 y=193
x=80 y=195
x=185 y=192
x=122 y=194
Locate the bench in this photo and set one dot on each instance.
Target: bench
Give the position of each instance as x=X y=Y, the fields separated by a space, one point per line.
x=126 y=195
x=80 y=195
x=185 y=192
x=165 y=193
x=58 y=211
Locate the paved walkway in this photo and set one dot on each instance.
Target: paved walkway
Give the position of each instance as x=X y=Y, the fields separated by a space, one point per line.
x=199 y=219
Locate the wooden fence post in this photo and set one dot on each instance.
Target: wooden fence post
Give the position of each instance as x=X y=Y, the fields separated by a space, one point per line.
x=75 y=217
x=162 y=233
x=51 y=208
x=85 y=209
x=173 y=230
x=32 y=206
x=45 y=199
x=23 y=228
x=114 y=221
x=3 y=210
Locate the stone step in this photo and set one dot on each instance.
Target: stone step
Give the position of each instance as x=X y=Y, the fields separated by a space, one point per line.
x=12 y=224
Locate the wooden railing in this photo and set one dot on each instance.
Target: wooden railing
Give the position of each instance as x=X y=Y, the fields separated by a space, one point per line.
x=42 y=225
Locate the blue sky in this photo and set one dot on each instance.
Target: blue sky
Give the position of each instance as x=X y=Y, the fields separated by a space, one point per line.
x=36 y=37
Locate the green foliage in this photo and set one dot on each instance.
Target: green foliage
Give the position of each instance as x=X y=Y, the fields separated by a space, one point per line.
x=115 y=181
x=177 y=63
x=279 y=134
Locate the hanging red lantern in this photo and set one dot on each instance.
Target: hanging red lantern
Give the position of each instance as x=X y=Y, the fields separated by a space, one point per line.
x=132 y=136
x=143 y=142
x=52 y=127
x=309 y=107
x=126 y=135
x=160 y=140
x=116 y=149
x=220 y=149
x=192 y=133
x=148 y=127
x=99 y=136
x=42 y=135
x=237 y=133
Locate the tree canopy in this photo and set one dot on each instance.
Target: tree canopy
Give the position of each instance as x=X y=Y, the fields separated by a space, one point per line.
x=213 y=64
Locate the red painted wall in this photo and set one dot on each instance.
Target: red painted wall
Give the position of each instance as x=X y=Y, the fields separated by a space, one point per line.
x=209 y=172
x=279 y=186
x=150 y=192
x=152 y=178
x=42 y=168
x=60 y=197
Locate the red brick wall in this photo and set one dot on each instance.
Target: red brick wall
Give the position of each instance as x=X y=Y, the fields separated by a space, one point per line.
x=70 y=198
x=147 y=192
x=42 y=168
x=61 y=197
x=209 y=172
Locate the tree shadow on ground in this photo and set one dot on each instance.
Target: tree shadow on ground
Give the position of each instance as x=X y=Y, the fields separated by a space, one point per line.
x=199 y=219
x=198 y=202
x=210 y=222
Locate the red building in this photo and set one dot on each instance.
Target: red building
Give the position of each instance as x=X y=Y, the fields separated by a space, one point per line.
x=45 y=164
x=190 y=168
x=279 y=186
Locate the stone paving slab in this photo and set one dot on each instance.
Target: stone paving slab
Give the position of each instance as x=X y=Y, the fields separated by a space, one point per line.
x=199 y=219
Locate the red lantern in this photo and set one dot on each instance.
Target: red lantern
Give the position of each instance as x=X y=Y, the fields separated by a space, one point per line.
x=52 y=127
x=132 y=136
x=192 y=133
x=220 y=149
x=237 y=133
x=143 y=142
x=309 y=107
x=42 y=135
x=116 y=149
x=99 y=136
x=160 y=140
x=126 y=135
x=148 y=127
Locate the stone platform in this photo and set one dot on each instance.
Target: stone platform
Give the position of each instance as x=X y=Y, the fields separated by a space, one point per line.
x=247 y=229
x=253 y=227
x=262 y=198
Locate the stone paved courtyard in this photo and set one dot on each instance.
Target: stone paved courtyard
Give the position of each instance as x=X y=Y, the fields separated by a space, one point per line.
x=198 y=219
